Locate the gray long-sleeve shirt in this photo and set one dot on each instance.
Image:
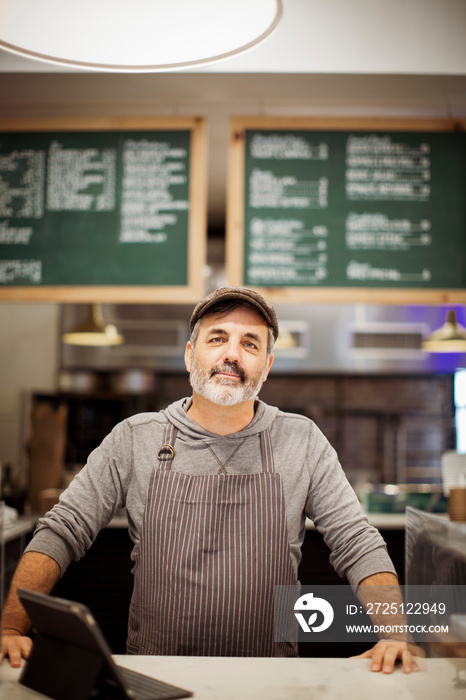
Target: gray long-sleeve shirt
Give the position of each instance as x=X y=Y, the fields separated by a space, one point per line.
x=117 y=474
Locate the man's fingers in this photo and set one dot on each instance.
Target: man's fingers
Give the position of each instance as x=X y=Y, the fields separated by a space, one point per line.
x=14 y=655
x=13 y=652
x=16 y=648
x=407 y=661
x=384 y=655
x=377 y=658
x=389 y=658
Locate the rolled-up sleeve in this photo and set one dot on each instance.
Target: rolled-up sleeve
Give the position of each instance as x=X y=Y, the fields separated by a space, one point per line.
x=357 y=548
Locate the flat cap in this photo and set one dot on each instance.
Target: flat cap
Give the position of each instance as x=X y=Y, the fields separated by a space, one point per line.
x=240 y=294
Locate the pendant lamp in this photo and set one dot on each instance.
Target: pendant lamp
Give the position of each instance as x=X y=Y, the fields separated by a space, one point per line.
x=93 y=331
x=451 y=337
x=137 y=36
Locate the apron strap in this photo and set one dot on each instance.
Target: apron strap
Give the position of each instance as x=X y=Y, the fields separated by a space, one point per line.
x=167 y=451
x=266 y=451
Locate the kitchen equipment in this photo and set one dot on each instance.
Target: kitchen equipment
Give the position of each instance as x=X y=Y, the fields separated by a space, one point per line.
x=394 y=498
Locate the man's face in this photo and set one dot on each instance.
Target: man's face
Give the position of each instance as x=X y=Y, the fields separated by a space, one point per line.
x=229 y=361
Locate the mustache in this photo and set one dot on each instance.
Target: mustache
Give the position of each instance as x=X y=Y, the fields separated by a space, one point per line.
x=229 y=367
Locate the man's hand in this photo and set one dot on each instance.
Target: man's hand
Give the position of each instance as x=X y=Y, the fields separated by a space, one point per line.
x=16 y=647
x=37 y=572
x=384 y=587
x=387 y=651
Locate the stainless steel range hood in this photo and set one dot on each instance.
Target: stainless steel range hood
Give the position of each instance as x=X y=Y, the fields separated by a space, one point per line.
x=314 y=339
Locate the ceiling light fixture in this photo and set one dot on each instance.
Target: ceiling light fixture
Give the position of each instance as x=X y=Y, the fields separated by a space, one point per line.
x=136 y=36
x=451 y=337
x=93 y=331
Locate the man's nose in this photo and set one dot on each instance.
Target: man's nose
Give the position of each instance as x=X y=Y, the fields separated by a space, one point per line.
x=231 y=351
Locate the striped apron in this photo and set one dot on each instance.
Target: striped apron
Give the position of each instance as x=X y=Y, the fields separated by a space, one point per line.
x=212 y=548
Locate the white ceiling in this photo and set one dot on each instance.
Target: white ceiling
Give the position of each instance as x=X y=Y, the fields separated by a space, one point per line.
x=339 y=57
x=420 y=37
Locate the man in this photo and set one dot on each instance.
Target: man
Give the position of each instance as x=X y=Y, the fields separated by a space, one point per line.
x=216 y=489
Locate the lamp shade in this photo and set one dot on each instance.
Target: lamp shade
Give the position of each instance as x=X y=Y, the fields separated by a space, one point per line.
x=451 y=337
x=93 y=331
x=141 y=35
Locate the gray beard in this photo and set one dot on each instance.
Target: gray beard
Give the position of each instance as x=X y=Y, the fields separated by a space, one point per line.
x=224 y=391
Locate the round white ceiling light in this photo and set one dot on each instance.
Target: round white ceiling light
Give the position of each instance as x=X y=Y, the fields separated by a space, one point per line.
x=135 y=36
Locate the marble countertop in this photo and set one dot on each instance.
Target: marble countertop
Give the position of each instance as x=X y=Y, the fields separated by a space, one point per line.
x=284 y=679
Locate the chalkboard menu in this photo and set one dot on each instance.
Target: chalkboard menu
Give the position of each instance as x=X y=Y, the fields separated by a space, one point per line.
x=363 y=208
x=101 y=213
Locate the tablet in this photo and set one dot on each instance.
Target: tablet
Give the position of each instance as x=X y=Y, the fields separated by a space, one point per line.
x=71 y=660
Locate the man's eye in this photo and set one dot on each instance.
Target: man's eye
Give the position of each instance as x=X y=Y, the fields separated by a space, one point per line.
x=250 y=345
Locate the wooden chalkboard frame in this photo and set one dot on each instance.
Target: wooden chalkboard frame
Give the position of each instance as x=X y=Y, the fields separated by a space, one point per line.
x=197 y=234
x=236 y=209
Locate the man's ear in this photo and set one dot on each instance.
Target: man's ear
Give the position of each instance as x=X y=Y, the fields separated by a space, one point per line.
x=269 y=365
x=187 y=355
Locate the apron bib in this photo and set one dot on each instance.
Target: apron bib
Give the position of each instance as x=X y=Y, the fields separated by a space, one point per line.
x=212 y=548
